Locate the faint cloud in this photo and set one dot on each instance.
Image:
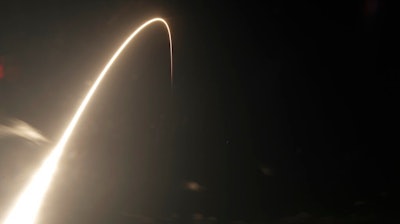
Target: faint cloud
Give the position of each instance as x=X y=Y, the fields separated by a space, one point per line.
x=19 y=128
x=266 y=170
x=198 y=216
x=193 y=186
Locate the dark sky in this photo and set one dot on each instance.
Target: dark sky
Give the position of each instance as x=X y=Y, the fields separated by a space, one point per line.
x=282 y=112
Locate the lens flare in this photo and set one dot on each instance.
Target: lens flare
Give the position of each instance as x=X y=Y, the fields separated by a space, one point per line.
x=29 y=202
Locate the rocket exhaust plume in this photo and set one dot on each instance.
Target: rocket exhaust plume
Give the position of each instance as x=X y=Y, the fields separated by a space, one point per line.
x=28 y=204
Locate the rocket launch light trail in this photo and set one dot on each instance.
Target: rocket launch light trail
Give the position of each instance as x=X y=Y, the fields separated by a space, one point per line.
x=29 y=202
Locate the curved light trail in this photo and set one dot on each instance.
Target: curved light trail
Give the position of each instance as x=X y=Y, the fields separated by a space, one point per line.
x=29 y=202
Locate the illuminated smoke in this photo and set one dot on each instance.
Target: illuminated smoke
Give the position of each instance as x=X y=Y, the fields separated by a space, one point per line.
x=193 y=186
x=28 y=204
x=23 y=130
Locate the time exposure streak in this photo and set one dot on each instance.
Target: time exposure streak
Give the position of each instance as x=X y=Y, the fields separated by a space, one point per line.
x=29 y=202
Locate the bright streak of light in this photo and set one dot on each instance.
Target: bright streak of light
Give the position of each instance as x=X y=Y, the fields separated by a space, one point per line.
x=29 y=202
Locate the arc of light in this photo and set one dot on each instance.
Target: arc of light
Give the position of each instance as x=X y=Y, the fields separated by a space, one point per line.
x=28 y=204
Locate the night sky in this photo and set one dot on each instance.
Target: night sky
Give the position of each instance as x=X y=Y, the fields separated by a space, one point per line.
x=280 y=112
